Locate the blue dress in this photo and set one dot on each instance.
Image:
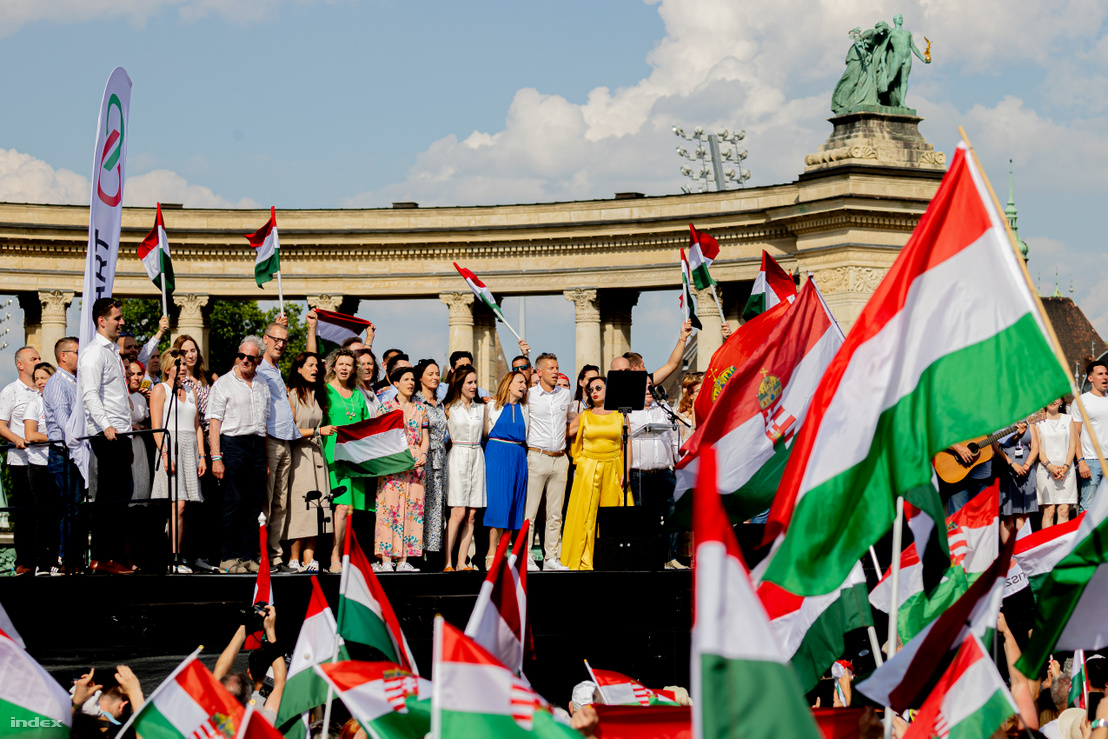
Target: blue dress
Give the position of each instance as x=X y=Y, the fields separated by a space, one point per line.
x=506 y=470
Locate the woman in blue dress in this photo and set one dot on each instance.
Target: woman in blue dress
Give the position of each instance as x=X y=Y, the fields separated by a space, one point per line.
x=506 y=459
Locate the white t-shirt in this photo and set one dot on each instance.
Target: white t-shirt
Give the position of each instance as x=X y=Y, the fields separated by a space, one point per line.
x=1097 y=409
x=34 y=411
x=13 y=401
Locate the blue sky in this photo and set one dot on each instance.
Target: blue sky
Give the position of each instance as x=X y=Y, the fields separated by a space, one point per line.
x=303 y=104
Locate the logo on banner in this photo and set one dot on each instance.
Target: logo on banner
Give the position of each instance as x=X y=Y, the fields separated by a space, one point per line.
x=780 y=424
x=111 y=155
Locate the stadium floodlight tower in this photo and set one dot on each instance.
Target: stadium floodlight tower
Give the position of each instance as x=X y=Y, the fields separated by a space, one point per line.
x=721 y=146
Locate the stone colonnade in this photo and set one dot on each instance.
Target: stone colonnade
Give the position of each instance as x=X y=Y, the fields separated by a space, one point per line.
x=602 y=325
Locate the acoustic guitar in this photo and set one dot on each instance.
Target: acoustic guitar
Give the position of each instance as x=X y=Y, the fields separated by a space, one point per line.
x=951 y=469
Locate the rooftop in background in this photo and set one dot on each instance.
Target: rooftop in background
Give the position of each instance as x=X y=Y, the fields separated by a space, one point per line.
x=1080 y=341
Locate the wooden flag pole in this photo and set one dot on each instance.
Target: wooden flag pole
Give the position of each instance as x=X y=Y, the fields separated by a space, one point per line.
x=1051 y=335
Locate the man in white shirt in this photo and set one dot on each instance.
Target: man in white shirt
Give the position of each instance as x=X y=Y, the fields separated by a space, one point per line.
x=653 y=455
x=280 y=430
x=58 y=399
x=1095 y=401
x=238 y=409
x=549 y=410
x=102 y=383
x=13 y=401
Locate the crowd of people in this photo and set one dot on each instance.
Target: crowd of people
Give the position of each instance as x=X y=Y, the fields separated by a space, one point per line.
x=185 y=462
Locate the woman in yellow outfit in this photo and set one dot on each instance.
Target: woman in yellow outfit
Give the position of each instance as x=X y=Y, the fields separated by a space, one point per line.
x=598 y=452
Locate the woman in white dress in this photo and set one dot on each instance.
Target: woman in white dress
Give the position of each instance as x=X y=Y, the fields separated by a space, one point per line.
x=465 y=463
x=191 y=463
x=1057 y=478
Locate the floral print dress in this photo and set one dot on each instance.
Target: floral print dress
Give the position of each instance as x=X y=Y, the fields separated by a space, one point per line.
x=434 y=475
x=400 y=497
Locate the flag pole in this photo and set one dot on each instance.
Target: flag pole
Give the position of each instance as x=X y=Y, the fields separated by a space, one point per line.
x=873 y=643
x=1051 y=335
x=280 y=292
x=894 y=607
x=164 y=311
x=345 y=579
x=712 y=290
x=598 y=688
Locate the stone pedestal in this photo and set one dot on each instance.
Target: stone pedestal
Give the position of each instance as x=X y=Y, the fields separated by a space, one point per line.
x=54 y=304
x=880 y=136
x=192 y=321
x=587 y=317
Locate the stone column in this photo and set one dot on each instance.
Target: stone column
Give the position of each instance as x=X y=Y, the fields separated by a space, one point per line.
x=710 y=339
x=587 y=304
x=461 y=320
x=485 y=348
x=615 y=323
x=53 y=303
x=32 y=320
x=326 y=302
x=191 y=320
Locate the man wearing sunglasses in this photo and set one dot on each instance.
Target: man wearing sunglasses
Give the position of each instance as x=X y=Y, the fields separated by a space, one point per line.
x=238 y=409
x=280 y=430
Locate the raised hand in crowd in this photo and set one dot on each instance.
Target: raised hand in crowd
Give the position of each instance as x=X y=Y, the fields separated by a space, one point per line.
x=524 y=348
x=725 y=329
x=283 y=320
x=586 y=721
x=130 y=685
x=85 y=688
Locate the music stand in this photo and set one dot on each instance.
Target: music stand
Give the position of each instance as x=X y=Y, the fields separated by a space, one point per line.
x=625 y=391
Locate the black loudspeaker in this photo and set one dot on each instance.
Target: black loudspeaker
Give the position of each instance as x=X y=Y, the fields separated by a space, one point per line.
x=629 y=538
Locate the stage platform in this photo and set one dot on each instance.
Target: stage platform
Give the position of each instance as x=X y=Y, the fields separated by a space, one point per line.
x=637 y=623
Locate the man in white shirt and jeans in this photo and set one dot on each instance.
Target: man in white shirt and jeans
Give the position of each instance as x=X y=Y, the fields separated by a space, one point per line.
x=102 y=383
x=653 y=455
x=549 y=410
x=238 y=409
x=1095 y=401
x=13 y=401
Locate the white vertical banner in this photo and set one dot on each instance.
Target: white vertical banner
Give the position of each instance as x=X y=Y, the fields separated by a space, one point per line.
x=105 y=217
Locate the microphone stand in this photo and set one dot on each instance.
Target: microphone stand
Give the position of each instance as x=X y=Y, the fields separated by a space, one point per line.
x=172 y=480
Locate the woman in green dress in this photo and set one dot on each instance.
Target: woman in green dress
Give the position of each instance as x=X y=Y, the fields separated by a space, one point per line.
x=343 y=405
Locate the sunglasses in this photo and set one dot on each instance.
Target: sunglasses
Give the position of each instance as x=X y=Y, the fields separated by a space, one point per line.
x=522 y=367
x=252 y=358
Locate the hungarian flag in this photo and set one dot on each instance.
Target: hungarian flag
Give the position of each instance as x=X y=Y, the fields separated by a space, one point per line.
x=304 y=690
x=1071 y=601
x=189 y=703
x=970 y=699
x=267 y=262
x=499 y=618
x=154 y=253
x=1038 y=553
x=747 y=339
x=255 y=726
x=374 y=447
x=619 y=690
x=7 y=628
x=703 y=250
x=754 y=421
x=263 y=586
x=1079 y=683
x=483 y=294
x=937 y=356
x=973 y=535
x=32 y=702
x=899 y=682
x=332 y=329
x=742 y=683
x=365 y=614
x=812 y=630
x=772 y=286
x=686 y=294
x=474 y=695
x=387 y=700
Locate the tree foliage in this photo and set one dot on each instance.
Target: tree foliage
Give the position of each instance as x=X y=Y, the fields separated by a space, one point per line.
x=233 y=320
x=140 y=317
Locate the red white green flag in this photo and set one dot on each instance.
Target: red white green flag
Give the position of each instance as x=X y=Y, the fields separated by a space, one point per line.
x=189 y=703
x=1074 y=596
x=365 y=614
x=619 y=690
x=254 y=725
x=304 y=690
x=475 y=695
x=32 y=702
x=7 y=628
x=686 y=294
x=812 y=630
x=742 y=682
x=764 y=403
x=970 y=700
x=973 y=535
x=1038 y=553
x=388 y=701
x=703 y=250
x=483 y=293
x=332 y=329
x=263 y=586
x=153 y=251
x=772 y=286
x=499 y=618
x=938 y=355
x=1079 y=684
x=373 y=448
x=267 y=260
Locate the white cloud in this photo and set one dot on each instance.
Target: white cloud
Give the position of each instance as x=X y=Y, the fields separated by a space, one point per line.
x=165 y=186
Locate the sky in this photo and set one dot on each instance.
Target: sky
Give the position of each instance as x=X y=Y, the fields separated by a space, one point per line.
x=351 y=104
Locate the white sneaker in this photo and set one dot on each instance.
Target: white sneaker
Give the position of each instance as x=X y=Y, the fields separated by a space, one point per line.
x=554 y=565
x=673 y=564
x=382 y=566
x=294 y=564
x=532 y=565
x=312 y=567
x=182 y=569
x=405 y=567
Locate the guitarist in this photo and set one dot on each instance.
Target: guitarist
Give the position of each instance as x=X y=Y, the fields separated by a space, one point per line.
x=958 y=494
